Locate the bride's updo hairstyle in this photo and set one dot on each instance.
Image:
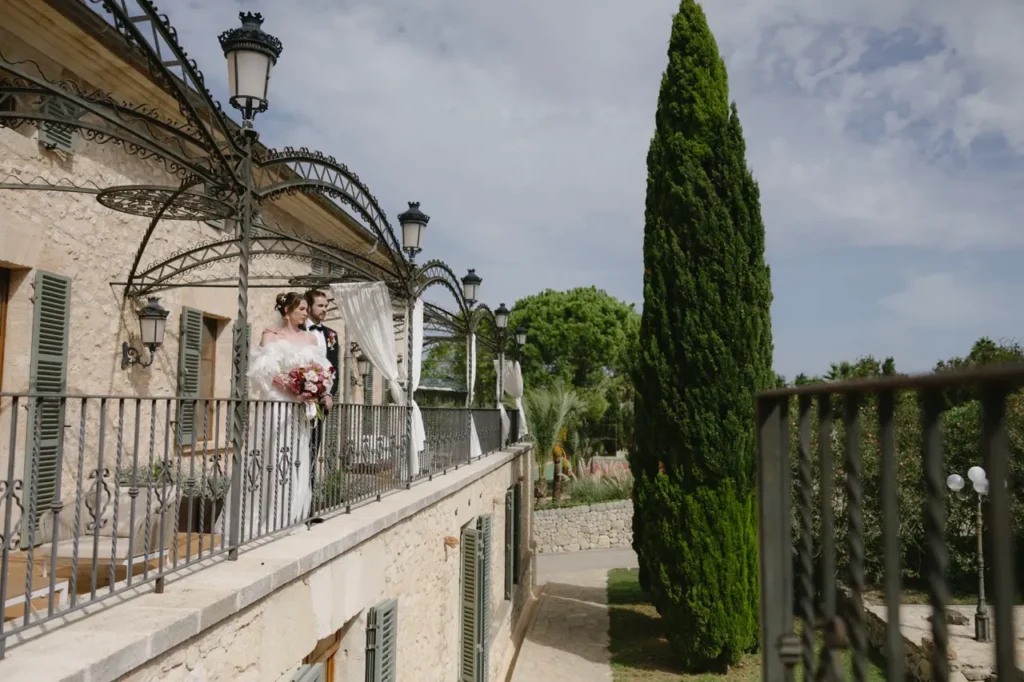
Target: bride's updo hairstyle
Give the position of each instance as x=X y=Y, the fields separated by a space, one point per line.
x=287 y=302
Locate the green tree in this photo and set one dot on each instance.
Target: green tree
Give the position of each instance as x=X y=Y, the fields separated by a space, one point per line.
x=705 y=349
x=581 y=336
x=447 y=360
x=551 y=411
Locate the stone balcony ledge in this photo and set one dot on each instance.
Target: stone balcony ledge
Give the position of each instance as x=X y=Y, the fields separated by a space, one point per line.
x=104 y=641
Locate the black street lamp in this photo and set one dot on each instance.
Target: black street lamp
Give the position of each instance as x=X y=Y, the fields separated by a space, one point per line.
x=520 y=336
x=470 y=287
x=363 y=366
x=152 y=325
x=501 y=316
x=414 y=224
x=251 y=55
x=979 y=481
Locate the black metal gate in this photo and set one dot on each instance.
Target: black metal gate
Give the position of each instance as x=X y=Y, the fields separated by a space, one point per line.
x=812 y=614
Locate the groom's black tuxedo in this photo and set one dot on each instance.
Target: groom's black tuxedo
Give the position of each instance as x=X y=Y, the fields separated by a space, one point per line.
x=333 y=352
x=317 y=435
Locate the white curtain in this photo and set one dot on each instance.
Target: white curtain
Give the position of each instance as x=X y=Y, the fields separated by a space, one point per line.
x=415 y=363
x=474 y=438
x=505 y=423
x=514 y=387
x=366 y=309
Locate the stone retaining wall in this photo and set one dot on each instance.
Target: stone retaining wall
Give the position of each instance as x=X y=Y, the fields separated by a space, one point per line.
x=573 y=529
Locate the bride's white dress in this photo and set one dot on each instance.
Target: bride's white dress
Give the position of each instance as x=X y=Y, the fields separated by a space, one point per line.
x=276 y=489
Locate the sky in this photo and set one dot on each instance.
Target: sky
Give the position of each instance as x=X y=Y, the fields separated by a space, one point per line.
x=887 y=137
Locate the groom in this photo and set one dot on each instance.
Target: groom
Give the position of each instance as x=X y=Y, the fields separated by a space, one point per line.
x=327 y=339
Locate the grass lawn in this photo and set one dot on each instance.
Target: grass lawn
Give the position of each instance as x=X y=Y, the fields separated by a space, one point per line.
x=640 y=651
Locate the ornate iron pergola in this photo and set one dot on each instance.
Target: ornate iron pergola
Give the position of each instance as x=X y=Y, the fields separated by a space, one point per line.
x=217 y=172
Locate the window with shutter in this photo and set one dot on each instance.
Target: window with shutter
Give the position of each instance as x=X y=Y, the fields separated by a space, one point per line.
x=469 y=664
x=189 y=363
x=47 y=375
x=483 y=524
x=517 y=537
x=368 y=401
x=510 y=524
x=382 y=642
x=56 y=135
x=207 y=374
x=316 y=266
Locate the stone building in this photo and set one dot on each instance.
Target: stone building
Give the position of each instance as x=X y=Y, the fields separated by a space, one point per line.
x=300 y=607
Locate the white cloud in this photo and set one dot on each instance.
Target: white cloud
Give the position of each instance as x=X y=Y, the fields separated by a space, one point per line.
x=945 y=300
x=523 y=128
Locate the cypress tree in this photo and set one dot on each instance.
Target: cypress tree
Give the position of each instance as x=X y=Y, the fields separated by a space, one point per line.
x=705 y=350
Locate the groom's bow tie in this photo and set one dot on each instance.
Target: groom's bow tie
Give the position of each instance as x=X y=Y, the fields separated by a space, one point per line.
x=314 y=327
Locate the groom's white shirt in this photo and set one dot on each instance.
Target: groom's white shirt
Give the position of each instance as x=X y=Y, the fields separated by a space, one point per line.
x=320 y=340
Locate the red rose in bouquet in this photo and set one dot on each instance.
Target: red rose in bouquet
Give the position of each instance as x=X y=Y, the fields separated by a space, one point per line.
x=310 y=383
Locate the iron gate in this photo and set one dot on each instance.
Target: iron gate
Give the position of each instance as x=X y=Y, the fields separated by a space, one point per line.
x=811 y=613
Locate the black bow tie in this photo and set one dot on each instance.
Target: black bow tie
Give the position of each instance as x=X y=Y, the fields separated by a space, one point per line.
x=315 y=327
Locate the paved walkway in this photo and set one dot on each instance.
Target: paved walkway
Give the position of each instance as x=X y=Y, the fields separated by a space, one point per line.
x=568 y=638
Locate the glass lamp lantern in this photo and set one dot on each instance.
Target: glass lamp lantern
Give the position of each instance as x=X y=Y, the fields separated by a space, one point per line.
x=414 y=224
x=471 y=286
x=501 y=316
x=521 y=335
x=363 y=365
x=251 y=55
x=152 y=325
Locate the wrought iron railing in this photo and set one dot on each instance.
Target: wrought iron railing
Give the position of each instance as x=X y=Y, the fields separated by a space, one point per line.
x=100 y=494
x=812 y=481
x=447 y=440
x=488 y=428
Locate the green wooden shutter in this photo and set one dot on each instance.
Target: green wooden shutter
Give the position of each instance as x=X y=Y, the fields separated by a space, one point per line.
x=469 y=665
x=55 y=135
x=47 y=375
x=316 y=266
x=368 y=401
x=382 y=642
x=189 y=350
x=510 y=524
x=517 y=537
x=311 y=673
x=483 y=524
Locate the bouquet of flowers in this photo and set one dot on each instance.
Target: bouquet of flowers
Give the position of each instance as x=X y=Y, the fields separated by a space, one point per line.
x=311 y=384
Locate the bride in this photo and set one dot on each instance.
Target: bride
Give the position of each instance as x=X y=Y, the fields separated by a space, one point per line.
x=279 y=432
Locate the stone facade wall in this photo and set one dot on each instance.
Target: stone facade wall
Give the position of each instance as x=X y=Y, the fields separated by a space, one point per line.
x=573 y=529
x=409 y=562
x=72 y=235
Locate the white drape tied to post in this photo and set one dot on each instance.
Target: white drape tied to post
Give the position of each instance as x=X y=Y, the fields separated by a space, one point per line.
x=514 y=388
x=369 y=319
x=506 y=425
x=415 y=363
x=474 y=438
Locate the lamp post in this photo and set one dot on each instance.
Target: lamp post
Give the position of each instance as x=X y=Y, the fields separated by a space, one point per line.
x=520 y=339
x=979 y=481
x=152 y=325
x=501 y=322
x=251 y=55
x=470 y=290
x=414 y=225
x=363 y=366
x=470 y=287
